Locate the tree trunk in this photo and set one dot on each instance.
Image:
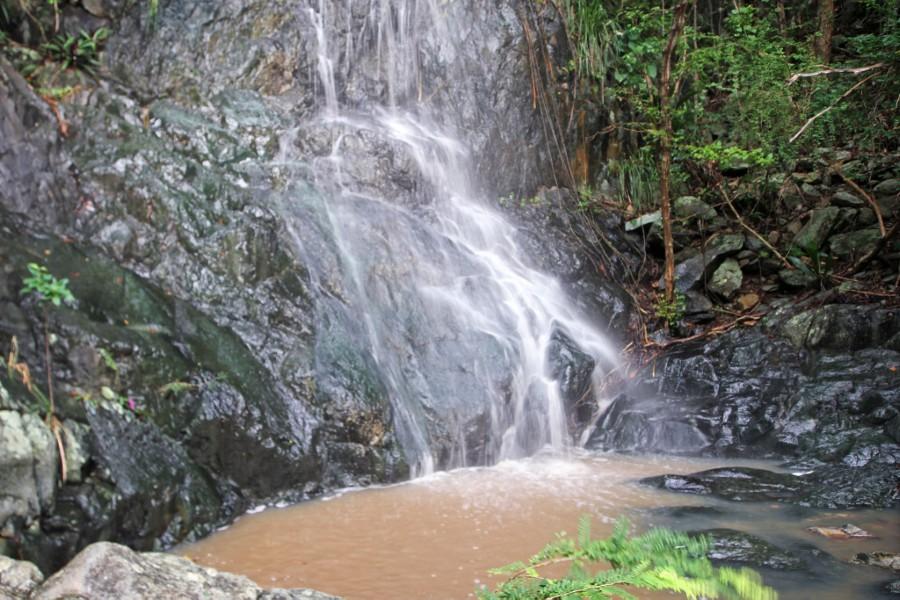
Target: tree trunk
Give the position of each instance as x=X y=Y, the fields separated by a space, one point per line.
x=822 y=45
x=782 y=18
x=665 y=147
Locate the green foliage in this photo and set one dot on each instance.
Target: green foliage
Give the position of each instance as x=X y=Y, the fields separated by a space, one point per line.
x=637 y=178
x=671 y=312
x=812 y=261
x=81 y=51
x=742 y=75
x=869 y=115
x=659 y=560
x=55 y=93
x=728 y=156
x=46 y=286
x=585 y=197
x=731 y=98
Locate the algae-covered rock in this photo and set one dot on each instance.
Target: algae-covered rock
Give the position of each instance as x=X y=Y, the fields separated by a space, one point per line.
x=691 y=271
x=813 y=235
x=854 y=244
x=691 y=207
x=732 y=547
x=727 y=278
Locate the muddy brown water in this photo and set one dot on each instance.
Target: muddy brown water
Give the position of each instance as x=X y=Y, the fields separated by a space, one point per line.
x=436 y=537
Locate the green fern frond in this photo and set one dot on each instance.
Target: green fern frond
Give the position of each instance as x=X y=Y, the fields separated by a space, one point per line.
x=659 y=560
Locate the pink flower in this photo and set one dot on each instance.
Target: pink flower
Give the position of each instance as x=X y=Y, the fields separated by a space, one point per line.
x=132 y=405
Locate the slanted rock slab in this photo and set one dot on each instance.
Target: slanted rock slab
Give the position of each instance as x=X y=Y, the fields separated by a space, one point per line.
x=106 y=571
x=816 y=230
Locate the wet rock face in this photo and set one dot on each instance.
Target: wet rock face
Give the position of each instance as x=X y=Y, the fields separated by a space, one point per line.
x=732 y=547
x=231 y=332
x=572 y=368
x=739 y=484
x=193 y=50
x=834 y=486
x=818 y=389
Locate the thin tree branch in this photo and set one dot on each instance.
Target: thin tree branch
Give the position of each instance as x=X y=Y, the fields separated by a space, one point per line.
x=874 y=251
x=749 y=229
x=853 y=70
x=825 y=110
x=837 y=169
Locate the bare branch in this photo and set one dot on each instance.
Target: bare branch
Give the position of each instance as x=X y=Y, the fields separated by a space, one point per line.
x=853 y=70
x=877 y=209
x=825 y=110
x=749 y=229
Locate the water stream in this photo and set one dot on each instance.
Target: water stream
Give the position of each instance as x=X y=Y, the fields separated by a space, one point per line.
x=433 y=285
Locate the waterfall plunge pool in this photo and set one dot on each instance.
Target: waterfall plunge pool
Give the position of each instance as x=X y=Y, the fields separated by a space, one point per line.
x=437 y=536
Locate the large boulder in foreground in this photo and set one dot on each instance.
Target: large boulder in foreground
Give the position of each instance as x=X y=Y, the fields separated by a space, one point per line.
x=110 y=571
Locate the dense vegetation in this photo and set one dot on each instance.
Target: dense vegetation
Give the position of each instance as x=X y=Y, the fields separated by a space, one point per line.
x=745 y=79
x=722 y=100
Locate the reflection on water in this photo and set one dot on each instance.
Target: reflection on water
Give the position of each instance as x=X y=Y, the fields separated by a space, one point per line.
x=435 y=537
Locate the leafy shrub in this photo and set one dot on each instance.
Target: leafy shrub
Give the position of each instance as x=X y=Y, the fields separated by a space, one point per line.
x=81 y=51
x=46 y=286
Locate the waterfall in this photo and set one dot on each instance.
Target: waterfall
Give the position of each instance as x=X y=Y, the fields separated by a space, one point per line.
x=430 y=280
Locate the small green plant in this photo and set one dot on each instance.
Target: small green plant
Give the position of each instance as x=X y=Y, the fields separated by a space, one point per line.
x=585 y=197
x=671 y=312
x=729 y=156
x=812 y=261
x=119 y=402
x=110 y=363
x=47 y=287
x=55 y=93
x=79 y=51
x=659 y=560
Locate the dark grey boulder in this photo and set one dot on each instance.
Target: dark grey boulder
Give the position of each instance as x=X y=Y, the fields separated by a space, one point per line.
x=691 y=271
x=738 y=548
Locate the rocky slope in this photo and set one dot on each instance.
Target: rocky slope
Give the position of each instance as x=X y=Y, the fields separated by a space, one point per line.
x=814 y=381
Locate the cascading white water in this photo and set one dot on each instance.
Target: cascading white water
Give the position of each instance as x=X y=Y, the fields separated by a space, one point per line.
x=451 y=311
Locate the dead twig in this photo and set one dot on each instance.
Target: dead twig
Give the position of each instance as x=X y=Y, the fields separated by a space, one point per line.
x=55 y=427
x=864 y=260
x=852 y=70
x=837 y=169
x=61 y=122
x=750 y=319
x=749 y=229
